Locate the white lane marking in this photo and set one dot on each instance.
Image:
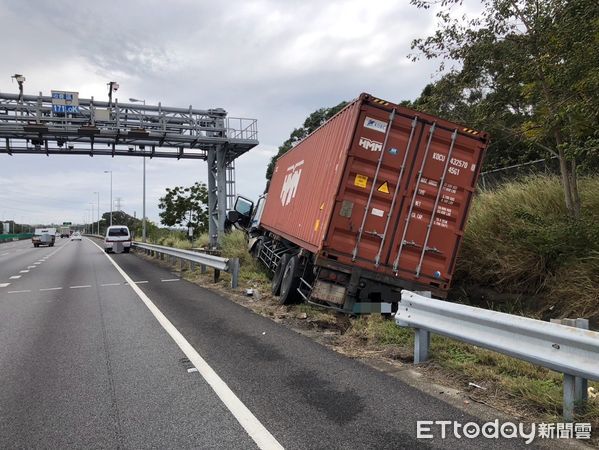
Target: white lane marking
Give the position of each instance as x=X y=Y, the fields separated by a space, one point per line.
x=170 y=279
x=15 y=277
x=31 y=267
x=4 y=254
x=24 y=271
x=140 y=282
x=111 y=284
x=37 y=263
x=51 y=289
x=4 y=284
x=244 y=416
x=79 y=287
x=193 y=369
x=18 y=292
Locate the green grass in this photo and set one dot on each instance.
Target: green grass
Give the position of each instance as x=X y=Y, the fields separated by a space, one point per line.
x=520 y=242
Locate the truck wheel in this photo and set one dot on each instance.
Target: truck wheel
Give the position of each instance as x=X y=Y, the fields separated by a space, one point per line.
x=51 y=245
x=278 y=277
x=290 y=282
x=126 y=249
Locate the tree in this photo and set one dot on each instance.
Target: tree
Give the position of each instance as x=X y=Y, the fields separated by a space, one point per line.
x=312 y=122
x=186 y=206
x=536 y=60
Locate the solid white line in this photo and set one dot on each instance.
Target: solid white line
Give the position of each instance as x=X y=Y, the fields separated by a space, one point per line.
x=171 y=279
x=24 y=271
x=79 y=287
x=4 y=284
x=15 y=277
x=111 y=284
x=244 y=416
x=51 y=289
x=18 y=292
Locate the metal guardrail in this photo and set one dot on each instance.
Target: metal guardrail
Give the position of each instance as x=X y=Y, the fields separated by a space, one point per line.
x=15 y=237
x=230 y=265
x=572 y=351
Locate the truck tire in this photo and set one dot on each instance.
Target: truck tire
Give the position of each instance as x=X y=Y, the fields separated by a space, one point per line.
x=278 y=277
x=51 y=245
x=290 y=282
x=126 y=249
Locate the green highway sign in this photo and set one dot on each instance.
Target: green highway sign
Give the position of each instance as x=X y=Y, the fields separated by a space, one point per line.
x=67 y=223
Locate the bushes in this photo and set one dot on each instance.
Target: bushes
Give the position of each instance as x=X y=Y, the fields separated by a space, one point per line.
x=520 y=240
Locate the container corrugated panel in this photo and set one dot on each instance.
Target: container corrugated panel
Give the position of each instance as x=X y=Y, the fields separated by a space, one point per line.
x=383 y=187
x=301 y=195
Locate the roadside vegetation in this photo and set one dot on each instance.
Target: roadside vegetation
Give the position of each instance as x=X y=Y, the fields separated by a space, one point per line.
x=521 y=254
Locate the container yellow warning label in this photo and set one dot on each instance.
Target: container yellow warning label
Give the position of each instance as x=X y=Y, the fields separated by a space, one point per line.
x=361 y=181
x=384 y=188
x=316 y=224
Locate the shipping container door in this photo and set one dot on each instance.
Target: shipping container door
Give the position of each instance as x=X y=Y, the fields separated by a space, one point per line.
x=438 y=193
x=362 y=227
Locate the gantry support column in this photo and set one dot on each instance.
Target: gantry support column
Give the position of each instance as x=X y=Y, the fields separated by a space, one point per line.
x=217 y=194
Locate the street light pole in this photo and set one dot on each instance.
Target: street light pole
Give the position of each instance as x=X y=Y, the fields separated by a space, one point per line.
x=98 y=211
x=143 y=219
x=107 y=171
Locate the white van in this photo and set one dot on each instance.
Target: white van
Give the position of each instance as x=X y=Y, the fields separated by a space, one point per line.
x=117 y=239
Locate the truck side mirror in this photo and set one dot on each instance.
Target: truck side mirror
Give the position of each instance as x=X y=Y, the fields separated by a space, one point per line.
x=244 y=207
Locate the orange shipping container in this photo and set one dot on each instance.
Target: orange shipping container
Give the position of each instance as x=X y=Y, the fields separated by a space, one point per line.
x=380 y=187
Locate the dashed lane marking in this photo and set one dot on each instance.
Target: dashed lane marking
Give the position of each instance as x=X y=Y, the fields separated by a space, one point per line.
x=170 y=279
x=51 y=289
x=4 y=284
x=141 y=282
x=31 y=267
x=80 y=287
x=253 y=427
x=19 y=292
x=24 y=271
x=15 y=277
x=111 y=284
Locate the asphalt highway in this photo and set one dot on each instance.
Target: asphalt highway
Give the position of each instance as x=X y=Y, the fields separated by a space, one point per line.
x=88 y=360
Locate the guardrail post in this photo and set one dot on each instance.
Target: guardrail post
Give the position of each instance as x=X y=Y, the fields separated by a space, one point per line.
x=422 y=340
x=216 y=275
x=202 y=268
x=569 y=397
x=581 y=385
x=234 y=269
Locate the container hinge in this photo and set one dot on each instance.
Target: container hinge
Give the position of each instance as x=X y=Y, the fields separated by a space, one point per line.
x=374 y=233
x=404 y=243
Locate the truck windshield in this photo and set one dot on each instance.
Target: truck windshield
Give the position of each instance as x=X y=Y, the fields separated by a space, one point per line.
x=118 y=232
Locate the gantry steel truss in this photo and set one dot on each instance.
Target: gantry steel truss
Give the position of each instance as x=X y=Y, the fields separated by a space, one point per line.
x=29 y=125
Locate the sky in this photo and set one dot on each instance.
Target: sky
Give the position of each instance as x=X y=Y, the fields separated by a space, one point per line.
x=275 y=61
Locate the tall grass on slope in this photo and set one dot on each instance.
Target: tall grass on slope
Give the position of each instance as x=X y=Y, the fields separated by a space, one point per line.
x=520 y=240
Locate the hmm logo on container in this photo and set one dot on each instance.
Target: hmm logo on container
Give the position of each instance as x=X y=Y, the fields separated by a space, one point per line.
x=292 y=178
x=373 y=146
x=374 y=124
